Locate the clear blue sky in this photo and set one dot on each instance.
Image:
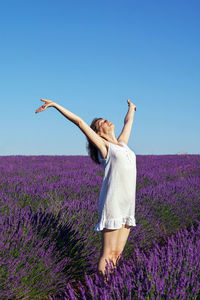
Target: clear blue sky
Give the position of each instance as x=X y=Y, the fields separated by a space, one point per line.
x=90 y=56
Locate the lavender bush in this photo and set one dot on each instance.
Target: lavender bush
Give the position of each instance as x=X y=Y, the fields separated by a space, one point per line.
x=167 y=272
x=48 y=247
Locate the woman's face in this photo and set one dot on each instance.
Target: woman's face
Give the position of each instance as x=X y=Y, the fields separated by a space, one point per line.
x=104 y=126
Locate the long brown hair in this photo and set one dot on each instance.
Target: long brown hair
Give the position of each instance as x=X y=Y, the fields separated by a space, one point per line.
x=91 y=148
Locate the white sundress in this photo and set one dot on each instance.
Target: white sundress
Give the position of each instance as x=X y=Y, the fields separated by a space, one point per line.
x=118 y=191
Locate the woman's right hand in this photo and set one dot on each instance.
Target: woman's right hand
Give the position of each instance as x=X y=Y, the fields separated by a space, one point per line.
x=47 y=104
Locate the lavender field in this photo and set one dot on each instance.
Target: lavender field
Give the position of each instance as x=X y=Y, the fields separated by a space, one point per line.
x=48 y=246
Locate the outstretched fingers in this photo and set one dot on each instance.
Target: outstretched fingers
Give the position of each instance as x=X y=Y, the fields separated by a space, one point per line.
x=47 y=104
x=131 y=104
x=41 y=108
x=44 y=100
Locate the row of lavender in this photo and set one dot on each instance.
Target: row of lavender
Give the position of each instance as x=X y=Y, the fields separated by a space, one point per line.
x=48 y=210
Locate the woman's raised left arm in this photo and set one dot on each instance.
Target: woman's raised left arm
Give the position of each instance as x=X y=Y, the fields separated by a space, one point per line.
x=128 y=121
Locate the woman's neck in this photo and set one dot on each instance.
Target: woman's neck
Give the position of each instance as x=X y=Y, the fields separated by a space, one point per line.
x=111 y=140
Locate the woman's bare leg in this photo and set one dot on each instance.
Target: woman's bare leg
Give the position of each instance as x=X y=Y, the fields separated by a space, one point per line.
x=113 y=243
x=109 y=241
x=123 y=237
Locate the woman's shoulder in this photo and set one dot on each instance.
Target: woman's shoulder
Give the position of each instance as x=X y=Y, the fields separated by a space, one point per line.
x=104 y=150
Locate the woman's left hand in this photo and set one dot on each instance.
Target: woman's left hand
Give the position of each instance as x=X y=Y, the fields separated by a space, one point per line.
x=131 y=104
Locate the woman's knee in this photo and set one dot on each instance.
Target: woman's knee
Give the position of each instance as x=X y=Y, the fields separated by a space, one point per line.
x=111 y=253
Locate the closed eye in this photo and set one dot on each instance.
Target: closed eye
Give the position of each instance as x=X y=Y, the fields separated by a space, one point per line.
x=101 y=122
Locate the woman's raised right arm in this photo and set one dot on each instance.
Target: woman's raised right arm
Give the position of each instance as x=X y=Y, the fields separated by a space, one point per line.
x=65 y=112
x=68 y=114
x=85 y=128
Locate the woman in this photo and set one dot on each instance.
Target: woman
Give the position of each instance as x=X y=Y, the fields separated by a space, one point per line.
x=117 y=196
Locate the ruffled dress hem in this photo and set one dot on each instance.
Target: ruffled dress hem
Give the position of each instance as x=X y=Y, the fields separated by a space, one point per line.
x=114 y=223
